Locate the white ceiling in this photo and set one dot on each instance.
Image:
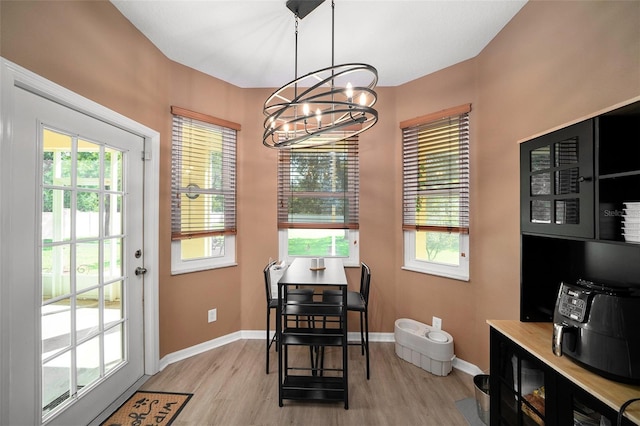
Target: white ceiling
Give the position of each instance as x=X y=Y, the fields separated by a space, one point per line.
x=251 y=44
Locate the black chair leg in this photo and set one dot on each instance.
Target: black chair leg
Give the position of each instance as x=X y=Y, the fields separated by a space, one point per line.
x=366 y=333
x=361 y=334
x=267 y=340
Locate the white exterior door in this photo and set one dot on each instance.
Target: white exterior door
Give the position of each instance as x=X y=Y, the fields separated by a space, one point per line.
x=76 y=320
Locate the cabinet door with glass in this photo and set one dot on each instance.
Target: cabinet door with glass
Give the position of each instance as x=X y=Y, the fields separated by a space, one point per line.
x=557 y=182
x=523 y=390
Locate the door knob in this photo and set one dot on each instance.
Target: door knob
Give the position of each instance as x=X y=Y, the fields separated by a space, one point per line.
x=141 y=271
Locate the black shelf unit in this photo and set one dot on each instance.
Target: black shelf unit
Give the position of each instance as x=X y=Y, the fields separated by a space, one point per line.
x=316 y=325
x=608 y=159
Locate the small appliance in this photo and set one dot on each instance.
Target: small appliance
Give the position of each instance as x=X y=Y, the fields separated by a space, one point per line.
x=598 y=326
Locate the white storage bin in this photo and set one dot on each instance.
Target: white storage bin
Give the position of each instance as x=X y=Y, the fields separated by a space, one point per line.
x=424 y=346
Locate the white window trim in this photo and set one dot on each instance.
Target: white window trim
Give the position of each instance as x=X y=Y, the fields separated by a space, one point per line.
x=458 y=272
x=180 y=266
x=354 y=249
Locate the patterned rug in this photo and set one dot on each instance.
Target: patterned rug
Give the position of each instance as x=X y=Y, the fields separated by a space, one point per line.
x=144 y=407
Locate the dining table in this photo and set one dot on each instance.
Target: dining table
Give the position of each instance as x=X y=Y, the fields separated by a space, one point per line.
x=305 y=273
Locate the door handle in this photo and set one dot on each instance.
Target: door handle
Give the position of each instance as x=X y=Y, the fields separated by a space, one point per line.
x=141 y=271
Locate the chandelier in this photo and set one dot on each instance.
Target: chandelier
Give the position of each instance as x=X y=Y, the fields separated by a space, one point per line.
x=324 y=106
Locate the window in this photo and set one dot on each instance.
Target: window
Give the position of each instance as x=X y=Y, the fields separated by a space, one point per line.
x=436 y=193
x=318 y=190
x=203 y=192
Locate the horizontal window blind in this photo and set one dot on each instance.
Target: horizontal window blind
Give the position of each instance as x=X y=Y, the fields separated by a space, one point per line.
x=318 y=188
x=203 y=177
x=436 y=172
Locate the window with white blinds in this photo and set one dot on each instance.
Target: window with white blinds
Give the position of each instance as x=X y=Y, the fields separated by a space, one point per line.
x=203 y=176
x=436 y=172
x=435 y=215
x=318 y=188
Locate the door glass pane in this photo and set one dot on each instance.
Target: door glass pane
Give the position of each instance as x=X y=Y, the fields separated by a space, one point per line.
x=56 y=382
x=541 y=211
x=567 y=181
x=56 y=164
x=566 y=152
x=568 y=211
x=112 y=214
x=87 y=314
x=88 y=207
x=87 y=258
x=112 y=304
x=114 y=349
x=112 y=170
x=88 y=166
x=56 y=264
x=82 y=280
x=56 y=327
x=541 y=184
x=88 y=362
x=112 y=264
x=56 y=216
x=540 y=158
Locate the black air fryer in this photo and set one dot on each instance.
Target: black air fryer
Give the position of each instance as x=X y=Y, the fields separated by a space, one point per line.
x=599 y=327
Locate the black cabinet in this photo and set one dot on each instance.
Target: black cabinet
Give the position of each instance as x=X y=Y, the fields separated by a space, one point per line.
x=526 y=391
x=557 y=182
x=575 y=184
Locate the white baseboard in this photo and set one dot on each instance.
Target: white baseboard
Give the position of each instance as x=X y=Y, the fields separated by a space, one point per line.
x=466 y=367
x=458 y=364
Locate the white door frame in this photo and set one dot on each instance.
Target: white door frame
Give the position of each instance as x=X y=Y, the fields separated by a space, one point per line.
x=12 y=75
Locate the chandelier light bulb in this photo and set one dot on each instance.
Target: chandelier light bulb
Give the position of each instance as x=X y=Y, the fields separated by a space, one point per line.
x=305 y=109
x=363 y=99
x=349 y=92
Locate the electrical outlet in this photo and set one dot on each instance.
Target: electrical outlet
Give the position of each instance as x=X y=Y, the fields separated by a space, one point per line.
x=437 y=323
x=212 y=315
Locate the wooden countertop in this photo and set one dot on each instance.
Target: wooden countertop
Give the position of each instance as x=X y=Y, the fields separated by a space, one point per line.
x=535 y=337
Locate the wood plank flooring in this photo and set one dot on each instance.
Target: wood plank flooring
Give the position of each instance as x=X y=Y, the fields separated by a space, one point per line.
x=230 y=387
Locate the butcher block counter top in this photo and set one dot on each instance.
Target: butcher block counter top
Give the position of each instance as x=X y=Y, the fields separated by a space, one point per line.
x=535 y=338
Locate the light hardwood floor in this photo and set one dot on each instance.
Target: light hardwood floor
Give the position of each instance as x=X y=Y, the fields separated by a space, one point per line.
x=230 y=387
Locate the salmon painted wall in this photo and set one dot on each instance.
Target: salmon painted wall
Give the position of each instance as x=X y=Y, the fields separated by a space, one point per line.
x=90 y=48
x=554 y=62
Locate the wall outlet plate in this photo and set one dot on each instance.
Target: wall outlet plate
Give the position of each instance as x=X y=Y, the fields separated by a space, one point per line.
x=437 y=323
x=212 y=315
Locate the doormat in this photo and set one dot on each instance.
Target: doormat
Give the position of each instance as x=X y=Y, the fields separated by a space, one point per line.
x=143 y=407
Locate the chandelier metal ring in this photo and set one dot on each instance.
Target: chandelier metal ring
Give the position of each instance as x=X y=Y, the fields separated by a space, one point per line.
x=296 y=111
x=321 y=107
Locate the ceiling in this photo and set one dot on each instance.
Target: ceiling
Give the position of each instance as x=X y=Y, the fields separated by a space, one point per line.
x=251 y=44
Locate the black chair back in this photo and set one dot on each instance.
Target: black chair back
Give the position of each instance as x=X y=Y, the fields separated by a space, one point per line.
x=267 y=281
x=365 y=282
